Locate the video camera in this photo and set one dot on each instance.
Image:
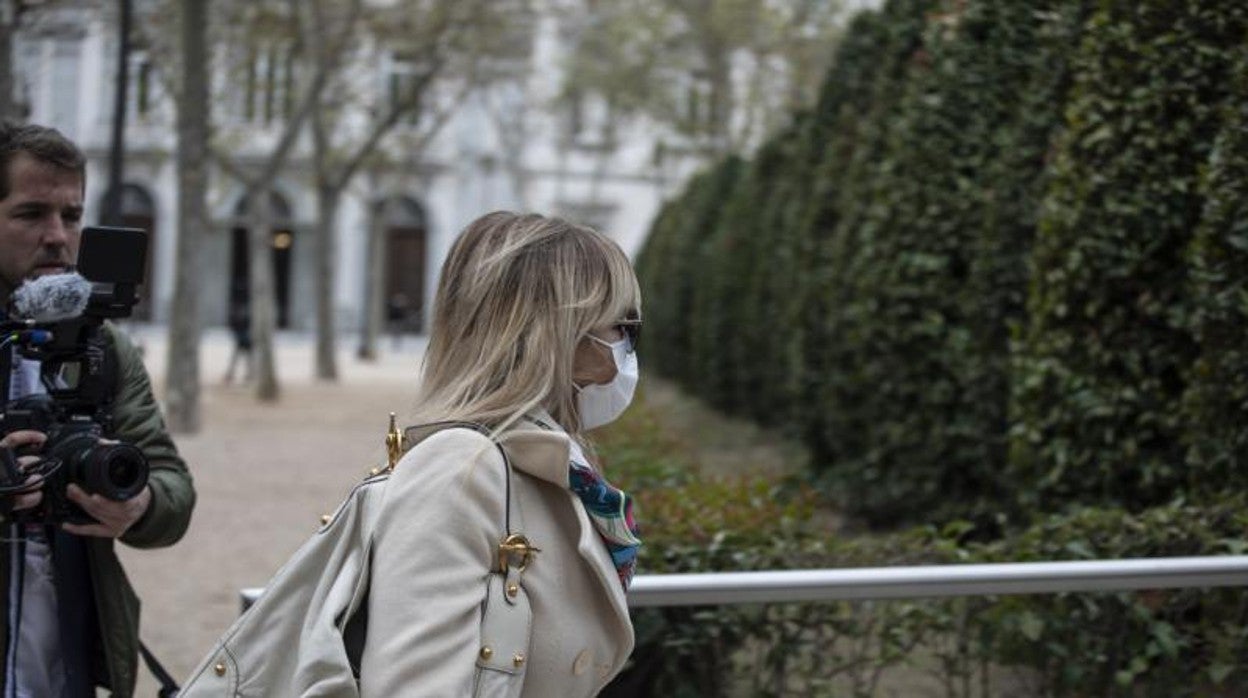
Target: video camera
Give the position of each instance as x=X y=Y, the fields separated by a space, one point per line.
x=58 y=321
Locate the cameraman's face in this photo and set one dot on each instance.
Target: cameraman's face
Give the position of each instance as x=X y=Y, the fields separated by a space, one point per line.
x=40 y=221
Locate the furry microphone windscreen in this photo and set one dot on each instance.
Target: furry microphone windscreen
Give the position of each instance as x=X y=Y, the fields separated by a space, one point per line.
x=52 y=298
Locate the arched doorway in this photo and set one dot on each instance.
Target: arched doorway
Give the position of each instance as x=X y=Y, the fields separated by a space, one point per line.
x=405 y=236
x=138 y=210
x=283 y=237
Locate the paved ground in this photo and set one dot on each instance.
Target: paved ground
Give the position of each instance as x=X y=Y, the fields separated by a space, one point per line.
x=265 y=474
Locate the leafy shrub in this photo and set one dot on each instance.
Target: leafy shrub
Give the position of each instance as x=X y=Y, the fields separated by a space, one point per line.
x=743 y=373
x=983 y=274
x=1101 y=367
x=691 y=523
x=999 y=273
x=837 y=223
x=1173 y=643
x=1186 y=642
x=1216 y=402
x=667 y=273
x=922 y=298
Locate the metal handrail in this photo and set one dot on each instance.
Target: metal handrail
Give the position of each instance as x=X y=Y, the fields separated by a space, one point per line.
x=932 y=581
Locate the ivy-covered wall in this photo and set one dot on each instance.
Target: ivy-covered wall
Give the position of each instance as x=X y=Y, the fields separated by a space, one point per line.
x=999 y=269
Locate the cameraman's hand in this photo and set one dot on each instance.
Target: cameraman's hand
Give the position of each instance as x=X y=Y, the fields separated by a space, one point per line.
x=19 y=439
x=115 y=518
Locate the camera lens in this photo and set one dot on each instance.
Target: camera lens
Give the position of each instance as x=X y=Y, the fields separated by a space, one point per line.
x=123 y=473
x=114 y=471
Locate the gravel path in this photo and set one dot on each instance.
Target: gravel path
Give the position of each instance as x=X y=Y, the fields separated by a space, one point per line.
x=264 y=474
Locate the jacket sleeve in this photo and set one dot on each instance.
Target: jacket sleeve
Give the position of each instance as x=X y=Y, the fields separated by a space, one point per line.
x=137 y=420
x=434 y=546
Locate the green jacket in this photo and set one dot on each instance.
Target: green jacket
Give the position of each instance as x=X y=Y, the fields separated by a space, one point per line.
x=137 y=420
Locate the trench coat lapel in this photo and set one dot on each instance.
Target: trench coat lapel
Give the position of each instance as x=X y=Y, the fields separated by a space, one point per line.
x=545 y=455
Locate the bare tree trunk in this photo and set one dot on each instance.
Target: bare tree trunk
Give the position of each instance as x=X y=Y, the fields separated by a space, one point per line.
x=182 y=373
x=8 y=25
x=263 y=301
x=117 y=149
x=374 y=281
x=327 y=199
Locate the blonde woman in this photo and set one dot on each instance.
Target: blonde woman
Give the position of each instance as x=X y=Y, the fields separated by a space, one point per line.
x=534 y=330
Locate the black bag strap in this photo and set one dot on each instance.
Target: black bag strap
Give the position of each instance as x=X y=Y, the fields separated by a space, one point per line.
x=168 y=687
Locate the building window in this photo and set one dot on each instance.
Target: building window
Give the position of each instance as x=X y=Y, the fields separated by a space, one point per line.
x=404 y=76
x=142 y=96
x=66 y=97
x=512 y=51
x=698 y=107
x=268 y=79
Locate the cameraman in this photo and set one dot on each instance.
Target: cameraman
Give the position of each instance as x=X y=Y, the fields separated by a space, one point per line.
x=69 y=620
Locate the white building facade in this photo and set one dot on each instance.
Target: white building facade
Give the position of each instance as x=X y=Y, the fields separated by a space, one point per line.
x=510 y=146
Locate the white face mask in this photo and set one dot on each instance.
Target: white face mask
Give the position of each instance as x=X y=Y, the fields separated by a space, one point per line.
x=601 y=404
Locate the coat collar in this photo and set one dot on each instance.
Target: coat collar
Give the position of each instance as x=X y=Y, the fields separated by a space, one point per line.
x=539 y=447
x=536 y=445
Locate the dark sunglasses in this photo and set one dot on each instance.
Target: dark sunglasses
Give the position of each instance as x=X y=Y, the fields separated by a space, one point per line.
x=631 y=329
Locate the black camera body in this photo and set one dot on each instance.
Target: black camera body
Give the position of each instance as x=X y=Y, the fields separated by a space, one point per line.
x=80 y=380
x=73 y=453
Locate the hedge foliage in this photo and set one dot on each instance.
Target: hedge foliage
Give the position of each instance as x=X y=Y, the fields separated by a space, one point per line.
x=1172 y=643
x=1217 y=386
x=997 y=270
x=1102 y=365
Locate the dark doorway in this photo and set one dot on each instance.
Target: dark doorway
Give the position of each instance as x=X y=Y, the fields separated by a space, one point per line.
x=138 y=210
x=283 y=241
x=406 y=233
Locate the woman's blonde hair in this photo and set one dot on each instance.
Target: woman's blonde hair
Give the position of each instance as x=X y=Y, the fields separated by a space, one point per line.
x=518 y=292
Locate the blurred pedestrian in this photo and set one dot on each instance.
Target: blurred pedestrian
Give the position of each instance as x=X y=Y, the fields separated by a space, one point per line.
x=240 y=330
x=396 y=317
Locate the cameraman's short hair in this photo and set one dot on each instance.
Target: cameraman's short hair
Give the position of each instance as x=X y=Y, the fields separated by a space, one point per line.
x=43 y=144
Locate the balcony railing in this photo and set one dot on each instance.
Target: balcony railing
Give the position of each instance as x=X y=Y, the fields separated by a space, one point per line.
x=860 y=584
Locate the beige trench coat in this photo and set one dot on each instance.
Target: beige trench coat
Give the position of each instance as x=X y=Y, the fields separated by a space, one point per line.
x=433 y=551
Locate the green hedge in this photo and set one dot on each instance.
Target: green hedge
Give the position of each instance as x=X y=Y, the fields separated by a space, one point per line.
x=838 y=224
x=1216 y=402
x=762 y=217
x=917 y=350
x=667 y=267
x=1172 y=643
x=692 y=523
x=996 y=270
x=1101 y=367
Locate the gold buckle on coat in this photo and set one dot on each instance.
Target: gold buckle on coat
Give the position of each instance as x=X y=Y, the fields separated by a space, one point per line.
x=512 y=546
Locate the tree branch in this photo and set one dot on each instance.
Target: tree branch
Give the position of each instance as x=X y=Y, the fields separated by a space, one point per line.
x=311 y=97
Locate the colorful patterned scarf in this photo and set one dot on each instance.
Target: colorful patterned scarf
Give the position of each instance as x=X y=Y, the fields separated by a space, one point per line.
x=611 y=511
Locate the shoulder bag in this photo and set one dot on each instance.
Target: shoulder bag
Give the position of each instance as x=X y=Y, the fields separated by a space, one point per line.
x=305 y=634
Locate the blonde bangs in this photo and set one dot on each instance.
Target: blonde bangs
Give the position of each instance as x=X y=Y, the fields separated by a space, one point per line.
x=612 y=288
